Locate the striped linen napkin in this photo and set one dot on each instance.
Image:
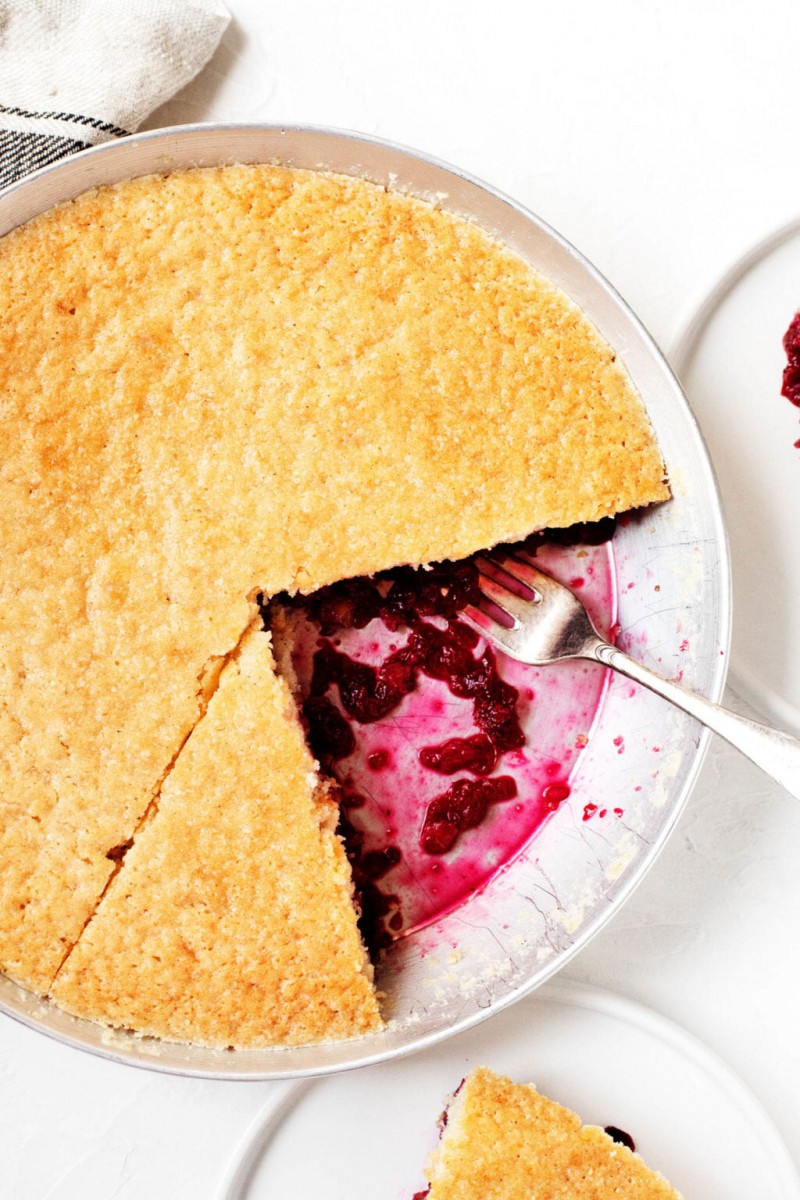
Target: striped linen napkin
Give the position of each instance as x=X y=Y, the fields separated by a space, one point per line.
x=74 y=73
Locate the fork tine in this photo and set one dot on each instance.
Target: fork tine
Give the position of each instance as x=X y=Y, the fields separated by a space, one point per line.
x=515 y=606
x=524 y=572
x=482 y=623
x=500 y=596
x=492 y=565
x=550 y=625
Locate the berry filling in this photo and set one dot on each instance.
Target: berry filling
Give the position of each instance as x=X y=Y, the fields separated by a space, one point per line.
x=462 y=806
x=619 y=1135
x=448 y=756
x=477 y=754
x=791 y=372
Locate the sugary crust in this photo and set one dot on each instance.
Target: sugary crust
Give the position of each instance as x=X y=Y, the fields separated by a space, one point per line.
x=231 y=921
x=244 y=379
x=505 y=1141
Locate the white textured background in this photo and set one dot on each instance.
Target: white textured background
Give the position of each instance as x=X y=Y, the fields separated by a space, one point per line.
x=661 y=138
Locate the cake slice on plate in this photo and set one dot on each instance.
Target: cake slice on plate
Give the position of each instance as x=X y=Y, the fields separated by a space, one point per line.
x=505 y=1141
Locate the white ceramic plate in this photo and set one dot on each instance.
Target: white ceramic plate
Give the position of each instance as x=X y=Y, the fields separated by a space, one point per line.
x=366 y=1134
x=730 y=359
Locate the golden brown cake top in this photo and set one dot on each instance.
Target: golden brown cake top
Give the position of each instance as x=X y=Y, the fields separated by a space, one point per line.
x=229 y=381
x=231 y=920
x=505 y=1141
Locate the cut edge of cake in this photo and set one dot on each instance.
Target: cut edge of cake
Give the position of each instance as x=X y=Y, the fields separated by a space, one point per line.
x=194 y=940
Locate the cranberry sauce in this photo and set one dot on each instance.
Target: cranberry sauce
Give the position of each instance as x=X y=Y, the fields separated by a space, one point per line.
x=449 y=756
x=619 y=1135
x=791 y=372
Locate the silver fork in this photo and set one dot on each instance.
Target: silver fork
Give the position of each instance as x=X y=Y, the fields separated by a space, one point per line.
x=551 y=624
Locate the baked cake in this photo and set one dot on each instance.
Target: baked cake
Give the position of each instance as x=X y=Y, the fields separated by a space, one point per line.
x=217 y=384
x=254 y=881
x=505 y=1141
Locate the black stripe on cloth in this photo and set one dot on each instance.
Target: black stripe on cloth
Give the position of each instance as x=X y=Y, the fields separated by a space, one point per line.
x=21 y=153
x=75 y=118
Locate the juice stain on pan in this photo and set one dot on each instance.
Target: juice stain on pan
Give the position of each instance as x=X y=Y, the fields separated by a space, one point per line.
x=449 y=755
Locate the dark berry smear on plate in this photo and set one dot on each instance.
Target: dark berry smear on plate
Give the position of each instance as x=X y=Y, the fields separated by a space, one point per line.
x=791 y=372
x=448 y=756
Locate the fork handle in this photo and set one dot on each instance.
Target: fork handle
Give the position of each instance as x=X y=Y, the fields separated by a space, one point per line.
x=775 y=752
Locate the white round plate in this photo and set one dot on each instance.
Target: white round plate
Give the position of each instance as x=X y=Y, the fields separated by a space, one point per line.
x=730 y=359
x=366 y=1134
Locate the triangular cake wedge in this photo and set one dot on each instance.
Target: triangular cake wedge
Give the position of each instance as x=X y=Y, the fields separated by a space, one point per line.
x=231 y=920
x=505 y=1141
x=230 y=381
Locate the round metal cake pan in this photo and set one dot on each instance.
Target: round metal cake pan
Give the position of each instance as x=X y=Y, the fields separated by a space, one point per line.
x=674 y=612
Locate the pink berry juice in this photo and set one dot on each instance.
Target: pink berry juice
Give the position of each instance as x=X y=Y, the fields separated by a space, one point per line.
x=449 y=755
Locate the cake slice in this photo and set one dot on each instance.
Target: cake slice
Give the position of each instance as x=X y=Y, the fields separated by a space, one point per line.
x=231 y=919
x=505 y=1141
